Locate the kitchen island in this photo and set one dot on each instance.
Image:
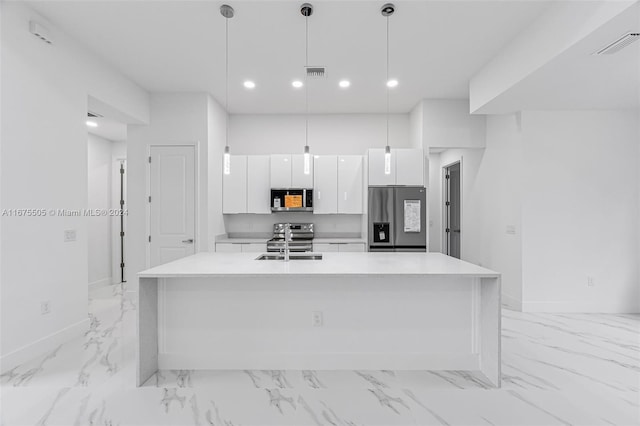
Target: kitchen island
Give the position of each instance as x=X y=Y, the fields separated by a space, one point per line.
x=358 y=311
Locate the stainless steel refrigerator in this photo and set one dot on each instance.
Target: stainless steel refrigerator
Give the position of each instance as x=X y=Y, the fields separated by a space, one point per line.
x=397 y=216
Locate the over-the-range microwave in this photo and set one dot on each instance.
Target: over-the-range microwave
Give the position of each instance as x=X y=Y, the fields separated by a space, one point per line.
x=292 y=200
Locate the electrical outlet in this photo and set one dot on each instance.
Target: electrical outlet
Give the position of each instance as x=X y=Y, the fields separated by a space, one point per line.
x=316 y=319
x=45 y=307
x=69 y=235
x=590 y=281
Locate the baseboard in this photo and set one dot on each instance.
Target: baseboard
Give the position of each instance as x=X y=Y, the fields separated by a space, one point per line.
x=100 y=283
x=42 y=346
x=511 y=302
x=586 y=307
x=317 y=361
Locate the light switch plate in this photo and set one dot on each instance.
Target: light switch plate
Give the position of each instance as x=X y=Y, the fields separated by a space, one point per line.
x=69 y=235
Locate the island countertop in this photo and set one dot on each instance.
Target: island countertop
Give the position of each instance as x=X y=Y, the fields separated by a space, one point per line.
x=333 y=264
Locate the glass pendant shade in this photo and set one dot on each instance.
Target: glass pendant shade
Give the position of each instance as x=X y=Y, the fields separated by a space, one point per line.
x=227 y=161
x=387 y=160
x=307 y=160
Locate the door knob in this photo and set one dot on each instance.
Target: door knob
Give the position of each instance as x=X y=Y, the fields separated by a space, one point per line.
x=189 y=241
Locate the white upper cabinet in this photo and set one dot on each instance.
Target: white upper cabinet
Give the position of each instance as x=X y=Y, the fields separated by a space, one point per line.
x=234 y=186
x=298 y=178
x=407 y=167
x=287 y=171
x=377 y=177
x=258 y=187
x=338 y=185
x=350 y=185
x=325 y=189
x=280 y=171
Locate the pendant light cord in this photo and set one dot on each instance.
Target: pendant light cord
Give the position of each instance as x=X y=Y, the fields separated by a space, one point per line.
x=226 y=79
x=387 y=82
x=306 y=87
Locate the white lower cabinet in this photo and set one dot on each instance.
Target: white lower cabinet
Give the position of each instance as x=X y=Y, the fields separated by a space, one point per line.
x=228 y=248
x=351 y=247
x=241 y=247
x=338 y=247
x=254 y=248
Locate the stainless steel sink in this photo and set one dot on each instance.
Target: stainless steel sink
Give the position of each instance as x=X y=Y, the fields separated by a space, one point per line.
x=292 y=256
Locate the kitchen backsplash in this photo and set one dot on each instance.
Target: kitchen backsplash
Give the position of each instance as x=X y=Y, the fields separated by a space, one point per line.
x=327 y=226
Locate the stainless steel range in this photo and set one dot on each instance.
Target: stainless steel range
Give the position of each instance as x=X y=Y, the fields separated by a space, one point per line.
x=301 y=237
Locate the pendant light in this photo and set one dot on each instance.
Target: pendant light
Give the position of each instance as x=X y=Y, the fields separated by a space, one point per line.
x=387 y=10
x=306 y=10
x=227 y=12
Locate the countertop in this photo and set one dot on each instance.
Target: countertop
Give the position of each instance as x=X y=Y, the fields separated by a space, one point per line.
x=321 y=240
x=227 y=240
x=332 y=265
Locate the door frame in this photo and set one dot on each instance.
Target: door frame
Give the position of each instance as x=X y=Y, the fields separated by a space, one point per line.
x=443 y=190
x=196 y=219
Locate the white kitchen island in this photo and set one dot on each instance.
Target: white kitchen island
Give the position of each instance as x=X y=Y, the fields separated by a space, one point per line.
x=357 y=311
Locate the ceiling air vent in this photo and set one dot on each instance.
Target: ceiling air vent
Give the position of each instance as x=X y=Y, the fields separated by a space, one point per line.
x=94 y=115
x=316 y=72
x=618 y=44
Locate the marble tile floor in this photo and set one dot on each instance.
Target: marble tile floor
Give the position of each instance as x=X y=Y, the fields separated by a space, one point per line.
x=558 y=369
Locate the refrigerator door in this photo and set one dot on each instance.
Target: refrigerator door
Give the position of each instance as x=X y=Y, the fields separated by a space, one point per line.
x=381 y=222
x=410 y=218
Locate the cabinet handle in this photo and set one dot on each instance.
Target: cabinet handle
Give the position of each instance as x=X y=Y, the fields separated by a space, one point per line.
x=189 y=241
x=345 y=196
x=319 y=195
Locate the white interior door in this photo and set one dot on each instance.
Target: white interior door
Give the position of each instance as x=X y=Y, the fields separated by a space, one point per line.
x=172 y=203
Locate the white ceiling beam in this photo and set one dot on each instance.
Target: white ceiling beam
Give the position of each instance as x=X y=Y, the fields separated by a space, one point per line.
x=559 y=28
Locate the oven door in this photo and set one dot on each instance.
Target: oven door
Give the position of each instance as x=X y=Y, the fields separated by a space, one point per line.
x=296 y=246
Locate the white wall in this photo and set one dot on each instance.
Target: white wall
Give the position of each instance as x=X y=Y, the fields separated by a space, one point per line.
x=580 y=211
x=328 y=134
x=447 y=123
x=553 y=199
x=177 y=119
x=44 y=165
x=498 y=186
x=434 y=203
x=99 y=227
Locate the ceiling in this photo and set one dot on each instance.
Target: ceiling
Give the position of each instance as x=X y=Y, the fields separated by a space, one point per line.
x=178 y=46
x=108 y=129
x=578 y=79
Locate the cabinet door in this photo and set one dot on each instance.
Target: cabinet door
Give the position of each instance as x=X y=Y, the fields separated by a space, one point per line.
x=350 y=184
x=234 y=186
x=325 y=184
x=258 y=184
x=325 y=247
x=254 y=247
x=352 y=247
x=409 y=167
x=298 y=178
x=377 y=177
x=228 y=248
x=280 y=171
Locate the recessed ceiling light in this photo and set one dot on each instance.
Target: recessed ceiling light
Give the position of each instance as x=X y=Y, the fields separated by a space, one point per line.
x=392 y=83
x=92 y=123
x=297 y=84
x=344 y=83
x=249 y=84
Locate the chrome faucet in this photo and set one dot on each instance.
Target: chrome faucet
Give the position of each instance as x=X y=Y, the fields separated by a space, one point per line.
x=288 y=236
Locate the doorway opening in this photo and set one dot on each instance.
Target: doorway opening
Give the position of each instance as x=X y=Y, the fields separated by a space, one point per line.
x=452 y=218
x=106 y=201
